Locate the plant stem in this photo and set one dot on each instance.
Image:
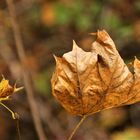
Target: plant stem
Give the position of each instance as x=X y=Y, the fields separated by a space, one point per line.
x=18 y=129
x=13 y=114
x=25 y=73
x=77 y=126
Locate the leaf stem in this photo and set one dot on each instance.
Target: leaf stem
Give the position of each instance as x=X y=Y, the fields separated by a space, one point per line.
x=14 y=115
x=77 y=126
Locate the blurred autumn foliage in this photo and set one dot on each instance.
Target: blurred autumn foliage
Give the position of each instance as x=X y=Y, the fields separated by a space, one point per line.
x=48 y=27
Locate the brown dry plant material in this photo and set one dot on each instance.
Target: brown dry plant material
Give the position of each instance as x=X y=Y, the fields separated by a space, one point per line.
x=88 y=82
x=6 y=90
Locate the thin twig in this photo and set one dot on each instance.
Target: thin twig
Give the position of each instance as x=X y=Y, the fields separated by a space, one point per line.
x=18 y=129
x=76 y=128
x=26 y=72
x=14 y=115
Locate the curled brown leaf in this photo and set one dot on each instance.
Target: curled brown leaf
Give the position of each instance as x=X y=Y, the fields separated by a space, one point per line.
x=88 y=82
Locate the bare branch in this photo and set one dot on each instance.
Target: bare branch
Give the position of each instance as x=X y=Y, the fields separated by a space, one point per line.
x=26 y=73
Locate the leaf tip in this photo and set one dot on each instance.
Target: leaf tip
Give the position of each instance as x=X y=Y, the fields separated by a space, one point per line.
x=136 y=60
x=3 y=78
x=136 y=64
x=94 y=33
x=74 y=44
x=135 y=57
x=55 y=57
x=18 y=89
x=75 y=47
x=102 y=34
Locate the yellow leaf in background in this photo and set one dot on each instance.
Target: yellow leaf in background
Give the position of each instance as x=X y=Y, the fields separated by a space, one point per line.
x=6 y=90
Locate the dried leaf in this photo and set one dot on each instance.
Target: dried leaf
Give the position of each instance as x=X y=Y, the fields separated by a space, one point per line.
x=135 y=90
x=6 y=90
x=88 y=82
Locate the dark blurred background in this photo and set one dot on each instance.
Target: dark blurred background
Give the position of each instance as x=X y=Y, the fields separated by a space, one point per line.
x=48 y=27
